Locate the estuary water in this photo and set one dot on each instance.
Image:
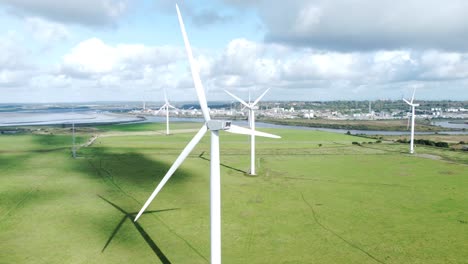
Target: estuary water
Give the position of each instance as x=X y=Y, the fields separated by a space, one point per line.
x=33 y=118
x=341 y=131
x=66 y=116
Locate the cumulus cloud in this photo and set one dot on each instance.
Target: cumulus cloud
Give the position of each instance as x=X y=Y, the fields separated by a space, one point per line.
x=362 y=25
x=246 y=64
x=101 y=71
x=208 y=17
x=85 y=12
x=13 y=53
x=93 y=56
x=444 y=65
x=48 y=33
x=12 y=78
x=122 y=71
x=15 y=69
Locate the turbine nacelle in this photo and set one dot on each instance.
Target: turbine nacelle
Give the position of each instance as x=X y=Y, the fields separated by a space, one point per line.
x=215 y=125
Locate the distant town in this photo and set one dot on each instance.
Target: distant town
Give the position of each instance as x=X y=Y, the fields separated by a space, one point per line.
x=334 y=110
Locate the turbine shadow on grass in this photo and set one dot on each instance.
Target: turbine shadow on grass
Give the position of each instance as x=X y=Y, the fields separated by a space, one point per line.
x=139 y=228
x=222 y=165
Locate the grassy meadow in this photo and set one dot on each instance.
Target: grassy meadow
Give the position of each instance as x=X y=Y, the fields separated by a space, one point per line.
x=383 y=125
x=317 y=198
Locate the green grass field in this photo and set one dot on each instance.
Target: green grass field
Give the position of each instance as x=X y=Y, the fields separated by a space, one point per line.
x=317 y=199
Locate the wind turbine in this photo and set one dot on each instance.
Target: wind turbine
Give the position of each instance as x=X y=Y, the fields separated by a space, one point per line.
x=73 y=140
x=408 y=119
x=166 y=107
x=73 y=134
x=251 y=106
x=413 y=107
x=214 y=126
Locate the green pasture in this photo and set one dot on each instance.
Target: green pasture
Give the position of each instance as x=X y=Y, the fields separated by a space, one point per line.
x=317 y=198
x=145 y=126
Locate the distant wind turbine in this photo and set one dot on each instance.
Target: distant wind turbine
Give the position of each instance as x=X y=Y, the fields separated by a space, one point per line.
x=251 y=106
x=413 y=107
x=166 y=107
x=408 y=119
x=73 y=134
x=214 y=126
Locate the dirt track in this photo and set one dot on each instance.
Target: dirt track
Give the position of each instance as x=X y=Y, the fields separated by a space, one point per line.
x=136 y=133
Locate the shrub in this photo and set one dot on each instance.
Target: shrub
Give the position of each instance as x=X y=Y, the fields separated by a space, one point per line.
x=442 y=144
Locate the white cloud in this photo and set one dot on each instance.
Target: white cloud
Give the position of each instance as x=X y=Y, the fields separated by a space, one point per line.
x=313 y=65
x=12 y=53
x=9 y=78
x=84 y=12
x=364 y=24
x=246 y=64
x=93 y=56
x=48 y=33
x=444 y=65
x=15 y=69
x=48 y=80
x=96 y=70
x=308 y=19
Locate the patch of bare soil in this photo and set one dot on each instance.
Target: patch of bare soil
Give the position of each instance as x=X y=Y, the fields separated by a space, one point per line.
x=429 y=156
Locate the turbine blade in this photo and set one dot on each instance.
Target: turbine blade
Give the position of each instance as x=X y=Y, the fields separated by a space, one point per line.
x=161 y=108
x=245 y=131
x=237 y=98
x=406 y=101
x=412 y=98
x=171 y=106
x=194 y=69
x=190 y=146
x=407 y=124
x=260 y=97
x=165 y=96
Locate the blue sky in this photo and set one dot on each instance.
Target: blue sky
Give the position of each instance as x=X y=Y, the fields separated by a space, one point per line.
x=119 y=50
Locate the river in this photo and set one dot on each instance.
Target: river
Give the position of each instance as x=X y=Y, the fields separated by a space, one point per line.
x=34 y=118
x=24 y=118
x=341 y=131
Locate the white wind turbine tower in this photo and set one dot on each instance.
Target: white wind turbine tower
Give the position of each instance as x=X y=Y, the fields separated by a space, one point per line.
x=166 y=108
x=251 y=106
x=413 y=107
x=214 y=126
